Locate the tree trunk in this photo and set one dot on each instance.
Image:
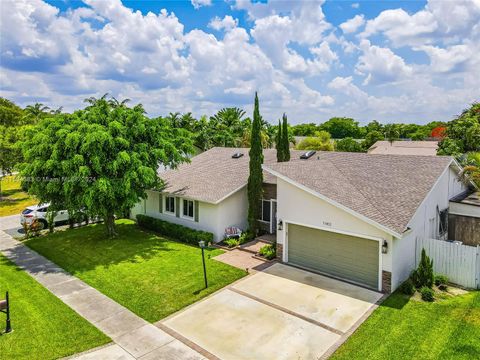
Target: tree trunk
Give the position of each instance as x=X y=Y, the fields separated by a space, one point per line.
x=110 y=224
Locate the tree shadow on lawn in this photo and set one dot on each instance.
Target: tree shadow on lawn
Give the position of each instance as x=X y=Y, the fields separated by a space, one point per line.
x=86 y=248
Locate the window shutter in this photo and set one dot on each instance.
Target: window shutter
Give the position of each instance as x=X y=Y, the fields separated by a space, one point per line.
x=177 y=207
x=197 y=207
x=160 y=203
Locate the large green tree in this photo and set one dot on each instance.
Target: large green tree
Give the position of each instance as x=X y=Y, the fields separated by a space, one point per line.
x=463 y=133
x=255 y=178
x=13 y=125
x=101 y=159
x=342 y=127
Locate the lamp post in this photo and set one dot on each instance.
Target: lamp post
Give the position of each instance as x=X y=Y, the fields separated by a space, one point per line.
x=5 y=308
x=202 y=246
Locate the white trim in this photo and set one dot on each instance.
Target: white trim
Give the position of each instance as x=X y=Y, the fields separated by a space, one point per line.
x=334 y=203
x=366 y=237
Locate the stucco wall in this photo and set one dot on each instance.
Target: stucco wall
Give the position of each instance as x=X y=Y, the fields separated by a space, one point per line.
x=300 y=207
x=422 y=226
x=213 y=218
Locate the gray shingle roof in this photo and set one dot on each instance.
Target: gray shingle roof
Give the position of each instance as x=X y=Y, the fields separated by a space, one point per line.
x=387 y=189
x=213 y=175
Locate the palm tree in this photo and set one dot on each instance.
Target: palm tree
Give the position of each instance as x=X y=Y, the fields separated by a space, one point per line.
x=57 y=111
x=174 y=119
x=36 y=111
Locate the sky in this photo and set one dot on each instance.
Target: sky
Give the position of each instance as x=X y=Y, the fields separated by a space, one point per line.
x=392 y=61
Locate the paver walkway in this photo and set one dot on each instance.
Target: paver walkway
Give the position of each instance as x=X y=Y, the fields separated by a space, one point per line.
x=134 y=337
x=243 y=260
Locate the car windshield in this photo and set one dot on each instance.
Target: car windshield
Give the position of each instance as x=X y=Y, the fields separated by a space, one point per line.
x=26 y=211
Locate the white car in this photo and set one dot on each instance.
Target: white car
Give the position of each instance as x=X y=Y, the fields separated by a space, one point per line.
x=39 y=212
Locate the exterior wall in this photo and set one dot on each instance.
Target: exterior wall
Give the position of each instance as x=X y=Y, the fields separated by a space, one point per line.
x=423 y=225
x=297 y=206
x=233 y=211
x=212 y=218
x=269 y=191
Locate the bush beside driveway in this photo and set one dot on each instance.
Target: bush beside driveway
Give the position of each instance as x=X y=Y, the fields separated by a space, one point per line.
x=44 y=327
x=149 y=274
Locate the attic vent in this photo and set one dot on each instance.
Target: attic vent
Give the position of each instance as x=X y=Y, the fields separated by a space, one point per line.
x=237 y=155
x=308 y=154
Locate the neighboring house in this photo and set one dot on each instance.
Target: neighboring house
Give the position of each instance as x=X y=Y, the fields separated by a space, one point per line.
x=426 y=148
x=352 y=216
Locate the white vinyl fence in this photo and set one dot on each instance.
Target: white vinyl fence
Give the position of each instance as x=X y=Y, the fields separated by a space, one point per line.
x=461 y=263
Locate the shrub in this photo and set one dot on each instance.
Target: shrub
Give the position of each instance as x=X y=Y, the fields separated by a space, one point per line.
x=268 y=251
x=245 y=237
x=179 y=232
x=441 y=281
x=427 y=294
x=423 y=275
x=407 y=288
x=231 y=242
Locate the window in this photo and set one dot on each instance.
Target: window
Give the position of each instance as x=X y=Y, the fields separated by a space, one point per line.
x=188 y=208
x=170 y=204
x=265 y=215
x=442 y=222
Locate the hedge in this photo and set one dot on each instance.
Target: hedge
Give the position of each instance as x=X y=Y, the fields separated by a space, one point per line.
x=179 y=232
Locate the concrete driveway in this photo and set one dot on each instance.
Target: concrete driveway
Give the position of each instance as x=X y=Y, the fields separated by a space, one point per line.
x=279 y=313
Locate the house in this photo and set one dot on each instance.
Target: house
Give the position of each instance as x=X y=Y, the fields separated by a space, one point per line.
x=352 y=216
x=425 y=148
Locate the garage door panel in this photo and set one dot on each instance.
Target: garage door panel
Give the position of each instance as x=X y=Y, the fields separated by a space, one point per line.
x=348 y=257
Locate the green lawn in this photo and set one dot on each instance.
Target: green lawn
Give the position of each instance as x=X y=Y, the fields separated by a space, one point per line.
x=12 y=199
x=408 y=329
x=150 y=275
x=44 y=327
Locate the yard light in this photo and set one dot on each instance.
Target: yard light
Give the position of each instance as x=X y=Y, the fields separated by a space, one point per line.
x=384 y=247
x=5 y=308
x=202 y=246
x=280 y=224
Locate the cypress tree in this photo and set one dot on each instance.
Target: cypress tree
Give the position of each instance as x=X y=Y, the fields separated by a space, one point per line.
x=278 y=142
x=285 y=141
x=255 y=178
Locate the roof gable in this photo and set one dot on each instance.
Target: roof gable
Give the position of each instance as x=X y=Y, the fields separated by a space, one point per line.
x=384 y=188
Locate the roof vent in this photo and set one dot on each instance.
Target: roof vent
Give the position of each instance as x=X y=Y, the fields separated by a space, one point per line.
x=237 y=155
x=308 y=154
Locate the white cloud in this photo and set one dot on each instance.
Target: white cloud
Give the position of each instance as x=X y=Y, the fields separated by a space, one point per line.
x=227 y=23
x=288 y=51
x=381 y=64
x=448 y=59
x=355 y=5
x=197 y=4
x=440 y=20
x=353 y=24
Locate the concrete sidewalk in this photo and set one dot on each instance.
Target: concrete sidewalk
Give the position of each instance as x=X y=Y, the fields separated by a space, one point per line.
x=134 y=337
